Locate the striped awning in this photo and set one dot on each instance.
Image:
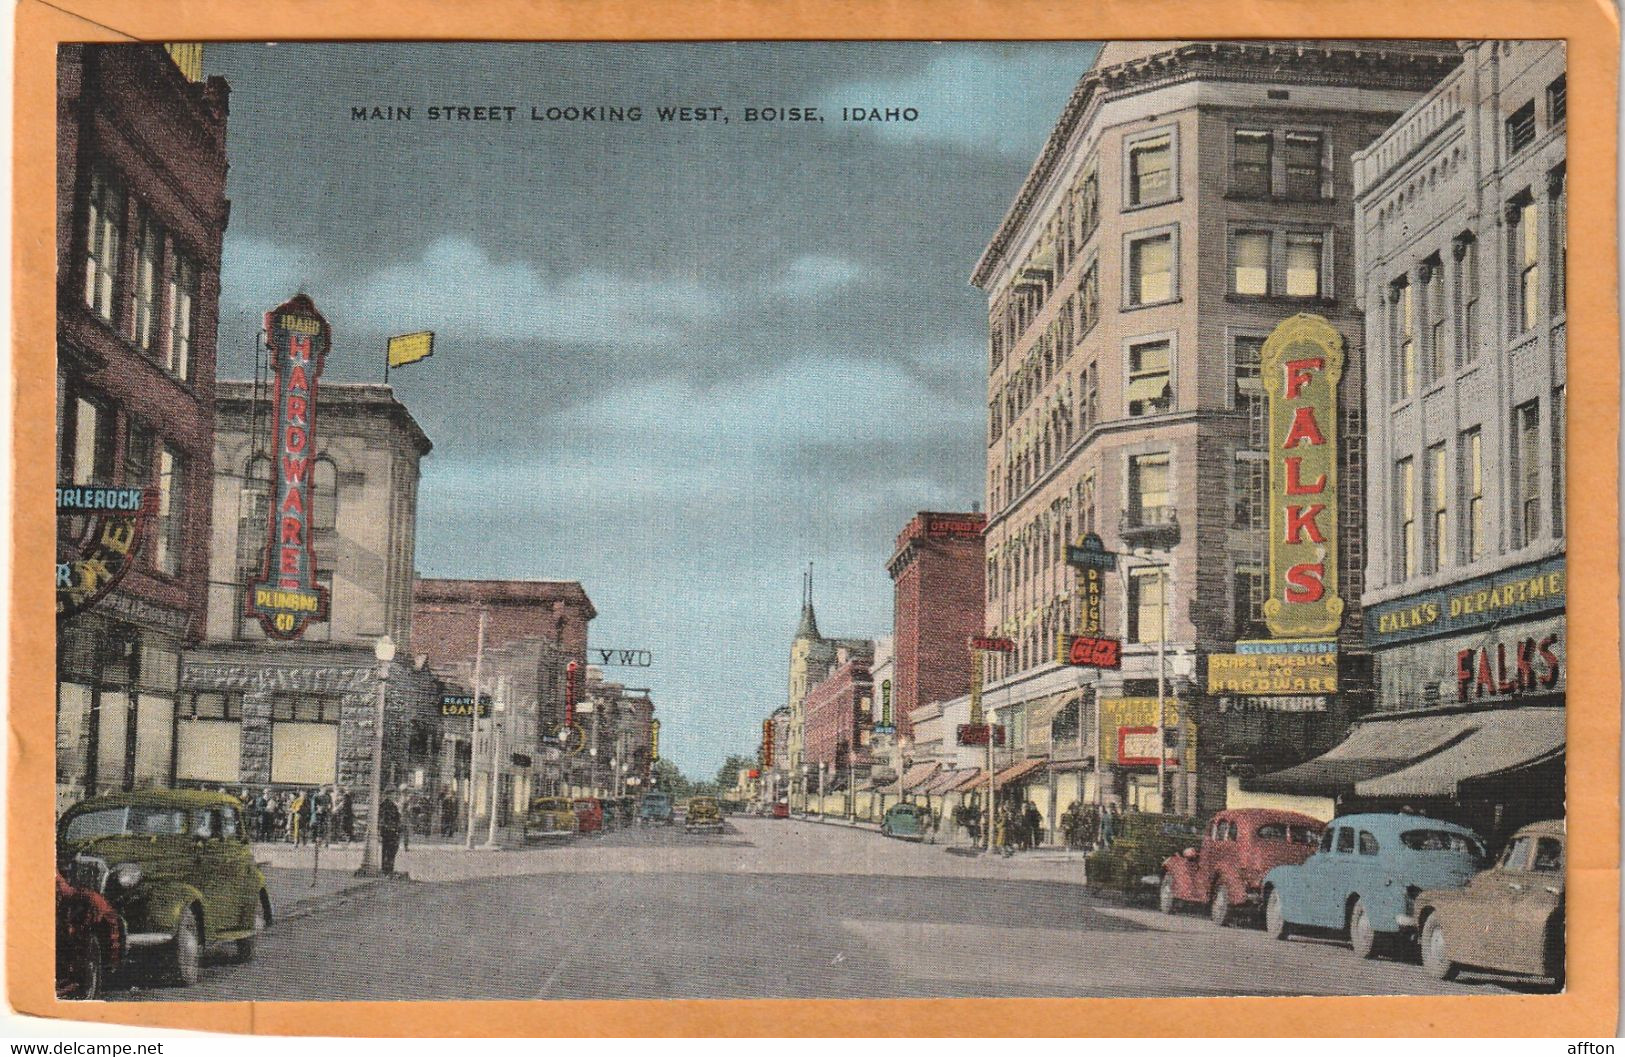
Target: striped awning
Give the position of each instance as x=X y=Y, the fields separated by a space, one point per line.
x=917 y=775
x=1016 y=772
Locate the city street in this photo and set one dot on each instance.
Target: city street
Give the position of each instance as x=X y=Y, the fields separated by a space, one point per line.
x=768 y=909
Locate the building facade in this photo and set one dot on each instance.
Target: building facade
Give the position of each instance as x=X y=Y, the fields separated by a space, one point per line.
x=812 y=659
x=838 y=715
x=141 y=213
x=937 y=576
x=302 y=713
x=1191 y=197
x=1462 y=238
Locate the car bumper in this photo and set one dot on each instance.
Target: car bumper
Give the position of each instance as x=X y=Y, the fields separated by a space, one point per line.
x=147 y=939
x=1405 y=921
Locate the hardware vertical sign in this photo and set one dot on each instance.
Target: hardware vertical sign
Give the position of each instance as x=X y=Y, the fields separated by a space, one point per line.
x=1302 y=364
x=286 y=598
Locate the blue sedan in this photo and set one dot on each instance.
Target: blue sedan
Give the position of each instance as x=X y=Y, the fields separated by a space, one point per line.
x=1364 y=878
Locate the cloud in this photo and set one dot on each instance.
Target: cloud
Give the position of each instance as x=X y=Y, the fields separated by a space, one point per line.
x=815 y=275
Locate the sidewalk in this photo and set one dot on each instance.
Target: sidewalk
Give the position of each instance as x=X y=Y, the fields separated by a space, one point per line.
x=1044 y=853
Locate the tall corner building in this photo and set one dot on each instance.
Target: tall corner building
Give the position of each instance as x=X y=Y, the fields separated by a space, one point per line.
x=938 y=592
x=1191 y=197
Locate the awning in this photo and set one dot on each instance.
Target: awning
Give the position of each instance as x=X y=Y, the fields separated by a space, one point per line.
x=917 y=775
x=1017 y=772
x=1150 y=388
x=945 y=780
x=1422 y=755
x=971 y=780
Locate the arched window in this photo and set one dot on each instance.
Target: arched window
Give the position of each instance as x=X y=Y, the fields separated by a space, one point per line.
x=324 y=486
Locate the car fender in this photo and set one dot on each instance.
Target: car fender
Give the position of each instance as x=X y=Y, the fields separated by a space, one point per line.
x=165 y=902
x=1383 y=904
x=1182 y=872
x=1284 y=879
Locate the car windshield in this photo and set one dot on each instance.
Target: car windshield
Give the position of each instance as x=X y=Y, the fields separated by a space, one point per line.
x=1440 y=840
x=1281 y=833
x=551 y=805
x=584 y=805
x=143 y=821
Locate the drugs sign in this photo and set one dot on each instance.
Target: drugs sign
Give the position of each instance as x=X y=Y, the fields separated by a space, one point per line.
x=1302 y=364
x=285 y=598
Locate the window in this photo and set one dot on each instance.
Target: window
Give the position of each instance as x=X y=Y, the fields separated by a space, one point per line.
x=1248 y=490
x=1326 y=841
x=1305 y=155
x=166 y=550
x=140 y=445
x=1249 y=390
x=87 y=441
x=1558 y=227
x=1086 y=502
x=1148 y=483
x=1404 y=340
x=1557 y=100
x=1526 y=471
x=1405 y=519
x=1146 y=612
x=1250 y=165
x=104 y=231
x=1250 y=264
x=209 y=705
x=1433 y=305
x=324 y=484
x=149 y=240
x=1345 y=839
x=1548 y=855
x=1466 y=256
x=1150 y=390
x=1438 y=523
x=1521 y=128
x=1150 y=166
x=1089 y=299
x=305 y=708
x=183 y=283
x=1303 y=265
x=1088 y=205
x=1471 y=480
x=1368 y=844
x=1151 y=270
x=1558 y=445
x=1247 y=599
x=1523 y=242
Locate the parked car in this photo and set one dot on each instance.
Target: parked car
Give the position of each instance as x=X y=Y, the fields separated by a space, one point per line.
x=781 y=810
x=906 y=821
x=176 y=866
x=626 y=809
x=550 y=818
x=655 y=807
x=1226 y=873
x=1132 y=864
x=703 y=815
x=89 y=938
x=589 y=815
x=1509 y=918
x=1364 y=878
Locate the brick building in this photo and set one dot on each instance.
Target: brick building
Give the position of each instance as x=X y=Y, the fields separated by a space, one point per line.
x=534 y=629
x=141 y=212
x=302 y=712
x=838 y=711
x=1191 y=196
x=1462 y=237
x=937 y=573
x=812 y=658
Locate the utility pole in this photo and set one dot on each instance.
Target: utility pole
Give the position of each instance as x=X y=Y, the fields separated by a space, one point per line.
x=474 y=725
x=498 y=705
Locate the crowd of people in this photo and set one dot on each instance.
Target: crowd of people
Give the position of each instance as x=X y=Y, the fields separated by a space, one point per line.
x=1020 y=826
x=319 y=815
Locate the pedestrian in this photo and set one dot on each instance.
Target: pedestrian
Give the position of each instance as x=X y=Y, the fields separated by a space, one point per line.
x=448 y=813
x=1109 y=824
x=346 y=815
x=300 y=810
x=1033 y=830
x=1071 y=823
x=389 y=833
x=321 y=816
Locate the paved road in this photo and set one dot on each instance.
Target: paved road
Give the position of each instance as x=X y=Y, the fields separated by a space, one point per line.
x=767 y=909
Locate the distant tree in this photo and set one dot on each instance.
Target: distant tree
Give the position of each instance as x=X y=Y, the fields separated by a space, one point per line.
x=728 y=773
x=668 y=779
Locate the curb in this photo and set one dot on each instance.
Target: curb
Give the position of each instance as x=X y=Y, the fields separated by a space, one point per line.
x=305 y=907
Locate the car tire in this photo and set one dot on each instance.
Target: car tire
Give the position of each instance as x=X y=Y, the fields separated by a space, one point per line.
x=244 y=950
x=1436 y=950
x=1220 y=912
x=1362 y=937
x=1275 y=922
x=186 y=950
x=89 y=970
x=1165 y=895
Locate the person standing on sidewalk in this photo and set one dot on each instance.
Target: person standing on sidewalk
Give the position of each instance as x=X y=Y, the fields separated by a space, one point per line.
x=296 y=812
x=389 y=832
x=1033 y=830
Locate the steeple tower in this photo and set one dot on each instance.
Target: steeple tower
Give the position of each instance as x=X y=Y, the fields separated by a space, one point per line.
x=809 y=623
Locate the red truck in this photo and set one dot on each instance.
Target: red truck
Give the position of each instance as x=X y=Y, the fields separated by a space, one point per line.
x=1238 y=848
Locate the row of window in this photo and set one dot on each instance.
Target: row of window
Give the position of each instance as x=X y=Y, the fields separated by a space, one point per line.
x=1436 y=524
x=89 y=456
x=1520 y=125
x=146 y=289
x=1265 y=162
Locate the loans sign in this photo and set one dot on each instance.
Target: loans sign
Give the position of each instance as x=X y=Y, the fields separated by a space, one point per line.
x=286 y=598
x=1302 y=364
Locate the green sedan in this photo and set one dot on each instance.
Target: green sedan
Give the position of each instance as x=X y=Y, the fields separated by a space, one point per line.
x=177 y=867
x=906 y=821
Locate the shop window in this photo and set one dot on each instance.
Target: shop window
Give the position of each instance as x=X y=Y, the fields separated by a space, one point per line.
x=1150 y=163
x=1150 y=388
x=1250 y=263
x=1151 y=270
x=1250 y=163
x=104 y=233
x=209 y=704
x=1471 y=480
x=1521 y=128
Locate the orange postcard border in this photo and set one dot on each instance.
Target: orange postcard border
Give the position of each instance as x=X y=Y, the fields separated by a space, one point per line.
x=1591 y=28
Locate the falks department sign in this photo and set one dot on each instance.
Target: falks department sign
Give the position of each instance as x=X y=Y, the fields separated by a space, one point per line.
x=1302 y=364
x=286 y=598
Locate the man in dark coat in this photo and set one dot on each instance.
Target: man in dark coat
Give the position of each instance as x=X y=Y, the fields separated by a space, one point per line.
x=1032 y=833
x=389 y=833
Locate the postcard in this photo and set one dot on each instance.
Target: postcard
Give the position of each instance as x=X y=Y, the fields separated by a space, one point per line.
x=783 y=520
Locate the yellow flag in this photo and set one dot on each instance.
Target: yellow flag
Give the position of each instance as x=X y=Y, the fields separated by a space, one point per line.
x=410 y=348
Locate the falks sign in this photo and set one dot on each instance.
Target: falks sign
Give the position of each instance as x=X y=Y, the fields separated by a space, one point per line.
x=1302 y=364
x=286 y=598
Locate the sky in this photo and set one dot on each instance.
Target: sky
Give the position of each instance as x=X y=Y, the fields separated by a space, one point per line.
x=674 y=361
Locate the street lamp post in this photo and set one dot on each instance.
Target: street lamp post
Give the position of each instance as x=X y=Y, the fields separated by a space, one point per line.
x=1162 y=674
x=384 y=652
x=474 y=727
x=498 y=706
